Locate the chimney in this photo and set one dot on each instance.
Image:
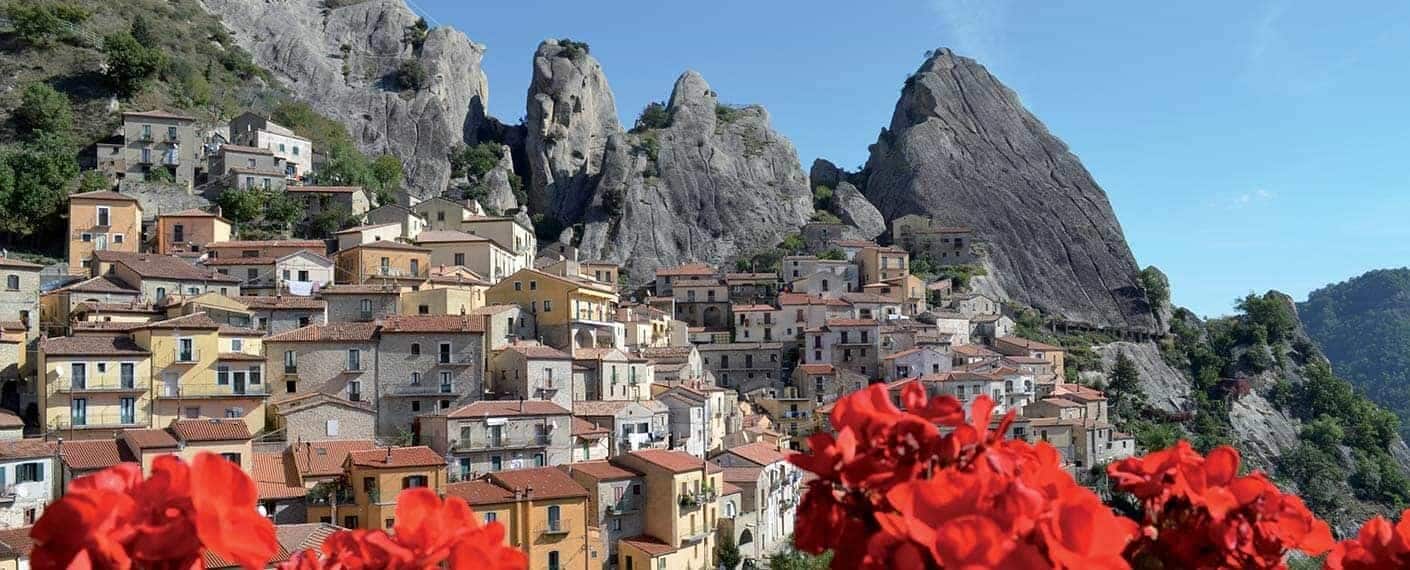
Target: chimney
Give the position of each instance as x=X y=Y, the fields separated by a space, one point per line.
x=388 y=460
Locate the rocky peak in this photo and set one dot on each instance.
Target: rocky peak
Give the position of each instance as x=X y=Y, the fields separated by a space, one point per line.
x=692 y=101
x=340 y=61
x=571 y=113
x=962 y=148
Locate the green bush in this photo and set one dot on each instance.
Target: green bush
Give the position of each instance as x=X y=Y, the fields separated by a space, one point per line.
x=833 y=254
x=386 y=175
x=474 y=161
x=727 y=114
x=822 y=197
x=411 y=75
x=792 y=244
x=573 y=49
x=93 y=181
x=653 y=116
x=825 y=217
x=33 y=179
x=37 y=22
x=1157 y=286
x=43 y=110
x=417 y=33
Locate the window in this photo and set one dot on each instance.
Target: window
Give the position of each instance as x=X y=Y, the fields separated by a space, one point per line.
x=127 y=375
x=415 y=379
x=541 y=461
x=445 y=353
x=366 y=308
x=80 y=375
x=78 y=411
x=386 y=264
x=231 y=457
x=445 y=404
x=440 y=216
x=445 y=383
x=332 y=427
x=518 y=285
x=12 y=282
x=178 y=233
x=411 y=481
x=547 y=306
x=460 y=259
x=533 y=285
x=354 y=359
x=552 y=555
x=161 y=293
x=222 y=375
x=29 y=472
x=291 y=361
x=415 y=348
x=255 y=373
x=355 y=391
x=235 y=413
x=237 y=345
x=415 y=267
x=87 y=237
x=415 y=406
x=423 y=309
x=104 y=216
x=192 y=412
x=555 y=517
x=490 y=517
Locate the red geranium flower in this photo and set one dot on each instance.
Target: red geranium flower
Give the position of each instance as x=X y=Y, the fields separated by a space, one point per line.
x=1379 y=545
x=117 y=519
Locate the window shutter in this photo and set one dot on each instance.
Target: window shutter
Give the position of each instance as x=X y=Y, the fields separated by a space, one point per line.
x=39 y=471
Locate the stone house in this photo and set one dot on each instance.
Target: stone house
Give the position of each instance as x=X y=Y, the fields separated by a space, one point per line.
x=825 y=383
x=159 y=140
x=490 y=436
x=633 y=425
x=690 y=430
x=667 y=277
x=943 y=245
x=275 y=314
x=758 y=323
x=316 y=416
x=381 y=260
x=295 y=153
x=361 y=303
x=590 y=441
x=531 y=371
x=741 y=363
x=986 y=328
x=273 y=248
x=273 y=276
x=426 y=363
x=505 y=324
x=770 y=486
x=615 y=503
x=29 y=480
x=802 y=311
x=350 y=200
x=371 y=232
x=675 y=363
x=56 y=308
x=610 y=374
x=160 y=276
x=702 y=302
x=881 y=263
x=479 y=254
x=441 y=213
x=973 y=304
x=873 y=306
x=512 y=234
x=1019 y=346
x=337 y=359
x=954 y=324
x=854 y=344
x=570 y=312
x=19 y=300
x=818 y=236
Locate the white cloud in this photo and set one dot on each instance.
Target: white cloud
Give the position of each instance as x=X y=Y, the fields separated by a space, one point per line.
x=1257 y=195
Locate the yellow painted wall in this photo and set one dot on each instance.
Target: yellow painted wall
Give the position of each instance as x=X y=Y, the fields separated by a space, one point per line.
x=124 y=218
x=103 y=394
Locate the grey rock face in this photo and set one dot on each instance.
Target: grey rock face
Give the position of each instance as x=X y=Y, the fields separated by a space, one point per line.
x=500 y=196
x=715 y=184
x=853 y=208
x=962 y=148
x=571 y=114
x=341 y=62
x=824 y=173
x=1165 y=388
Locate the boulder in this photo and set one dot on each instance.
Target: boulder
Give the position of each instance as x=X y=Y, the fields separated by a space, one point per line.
x=855 y=210
x=571 y=114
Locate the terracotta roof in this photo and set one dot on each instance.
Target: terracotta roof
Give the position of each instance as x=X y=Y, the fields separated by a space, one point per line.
x=272 y=477
x=18 y=263
x=687 y=269
x=211 y=430
x=598 y=408
x=10 y=420
x=102 y=195
x=432 y=324
x=385 y=244
x=153 y=266
x=16 y=543
x=139 y=440
x=480 y=492
x=128 y=307
x=1026 y=343
x=227 y=147
x=666 y=353
x=224 y=261
x=596 y=353
x=1061 y=402
x=588 y=430
x=602 y=470
x=759 y=453
x=92 y=454
x=498 y=408
x=249 y=243
x=908 y=352
x=325 y=458
x=335 y=332
x=359 y=290
x=753 y=308
x=651 y=545
x=727 y=488
x=739 y=346
x=190 y=213
x=673 y=461
x=158 y=114
x=536 y=350
x=972 y=350
x=101 y=284
x=816 y=368
x=395 y=457
x=192 y=321
x=806 y=299
x=447 y=236
x=291 y=403
x=280 y=302
x=28 y=448
x=232 y=330
x=365 y=227
x=324 y=189
x=539 y=483
x=742 y=474
x=853 y=322
x=95 y=345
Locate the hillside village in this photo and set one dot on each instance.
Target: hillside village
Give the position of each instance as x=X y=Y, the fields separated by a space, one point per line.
x=436 y=345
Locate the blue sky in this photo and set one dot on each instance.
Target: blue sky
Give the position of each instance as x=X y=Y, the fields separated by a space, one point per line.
x=1244 y=145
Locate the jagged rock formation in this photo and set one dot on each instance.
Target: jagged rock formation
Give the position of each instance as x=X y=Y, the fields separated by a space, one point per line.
x=571 y=114
x=825 y=173
x=714 y=183
x=342 y=62
x=962 y=148
x=853 y=209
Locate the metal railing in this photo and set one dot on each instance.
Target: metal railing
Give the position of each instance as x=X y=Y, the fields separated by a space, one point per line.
x=179 y=356
x=102 y=382
x=483 y=442
x=555 y=526
x=93 y=420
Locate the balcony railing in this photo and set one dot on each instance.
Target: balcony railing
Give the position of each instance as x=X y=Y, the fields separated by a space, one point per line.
x=555 y=526
x=457 y=360
x=621 y=507
x=291 y=369
x=97 y=420
x=354 y=367
x=482 y=442
x=321 y=496
x=794 y=414
x=100 y=383
x=191 y=356
x=694 y=499
x=212 y=391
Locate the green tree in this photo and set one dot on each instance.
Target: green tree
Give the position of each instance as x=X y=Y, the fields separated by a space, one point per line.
x=130 y=64
x=160 y=175
x=833 y=254
x=93 y=181
x=792 y=244
x=142 y=31
x=1125 y=377
x=794 y=560
x=33 y=179
x=822 y=197
x=38 y=23
x=474 y=161
x=43 y=110
x=386 y=173
x=241 y=205
x=1272 y=311
x=922 y=266
x=727 y=552
x=1157 y=286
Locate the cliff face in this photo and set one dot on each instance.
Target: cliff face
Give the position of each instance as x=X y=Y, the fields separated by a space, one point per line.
x=341 y=61
x=961 y=148
x=712 y=183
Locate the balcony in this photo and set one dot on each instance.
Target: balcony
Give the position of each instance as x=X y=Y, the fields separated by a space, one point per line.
x=293 y=370
x=211 y=391
x=555 y=527
x=486 y=443
x=98 y=420
x=364 y=316
x=324 y=495
x=102 y=384
x=620 y=508
x=189 y=356
x=795 y=414
x=457 y=360
x=691 y=500
x=354 y=367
